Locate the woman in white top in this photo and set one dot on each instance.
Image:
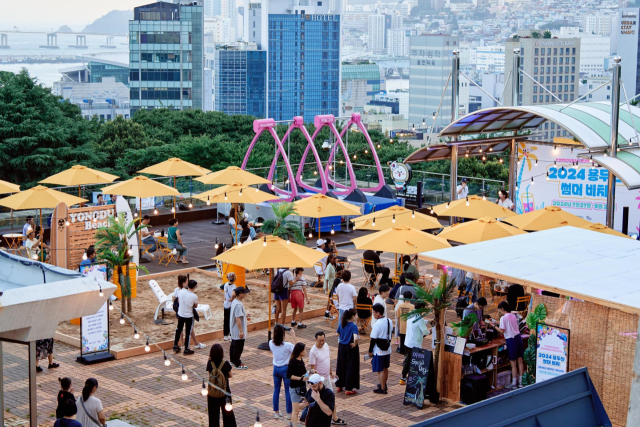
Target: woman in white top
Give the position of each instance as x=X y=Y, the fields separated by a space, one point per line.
x=504 y=201
x=281 y=354
x=182 y=283
x=90 y=412
x=229 y=295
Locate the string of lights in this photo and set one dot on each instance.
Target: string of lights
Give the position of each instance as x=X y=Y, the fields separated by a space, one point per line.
x=168 y=358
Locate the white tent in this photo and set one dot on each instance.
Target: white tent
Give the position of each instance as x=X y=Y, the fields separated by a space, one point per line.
x=596 y=267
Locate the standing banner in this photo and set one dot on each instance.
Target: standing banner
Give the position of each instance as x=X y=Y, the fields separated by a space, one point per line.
x=421 y=381
x=94 y=329
x=580 y=190
x=552 y=351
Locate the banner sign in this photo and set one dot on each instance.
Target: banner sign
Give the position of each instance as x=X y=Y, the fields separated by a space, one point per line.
x=552 y=351
x=94 y=329
x=580 y=190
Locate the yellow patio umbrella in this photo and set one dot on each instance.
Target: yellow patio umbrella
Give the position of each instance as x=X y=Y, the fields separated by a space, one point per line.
x=7 y=187
x=79 y=175
x=270 y=252
x=480 y=230
x=139 y=187
x=601 y=228
x=235 y=193
x=472 y=207
x=172 y=168
x=545 y=219
x=230 y=175
x=39 y=197
x=395 y=216
x=321 y=206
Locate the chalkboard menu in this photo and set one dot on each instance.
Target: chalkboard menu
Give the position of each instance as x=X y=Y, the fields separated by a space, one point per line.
x=421 y=381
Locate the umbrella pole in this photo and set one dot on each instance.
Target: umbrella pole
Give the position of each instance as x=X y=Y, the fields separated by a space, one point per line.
x=174 y=198
x=319 y=229
x=236 y=219
x=41 y=233
x=265 y=345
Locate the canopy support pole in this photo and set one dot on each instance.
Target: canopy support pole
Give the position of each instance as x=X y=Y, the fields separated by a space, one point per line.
x=265 y=345
x=613 y=152
x=513 y=148
x=453 y=171
x=33 y=386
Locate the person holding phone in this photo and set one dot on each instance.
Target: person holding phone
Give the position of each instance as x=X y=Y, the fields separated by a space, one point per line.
x=321 y=402
x=297 y=375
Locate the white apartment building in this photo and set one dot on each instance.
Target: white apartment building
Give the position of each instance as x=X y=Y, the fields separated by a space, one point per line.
x=376 y=33
x=398 y=42
x=488 y=58
x=594 y=49
x=599 y=23
x=602 y=94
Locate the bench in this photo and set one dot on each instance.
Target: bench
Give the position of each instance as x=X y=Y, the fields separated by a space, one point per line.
x=166 y=303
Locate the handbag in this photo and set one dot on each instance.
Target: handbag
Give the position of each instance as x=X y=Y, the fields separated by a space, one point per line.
x=90 y=417
x=384 y=343
x=196 y=316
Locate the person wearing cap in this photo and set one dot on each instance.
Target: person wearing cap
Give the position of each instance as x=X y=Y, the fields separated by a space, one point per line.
x=320 y=246
x=28 y=225
x=229 y=288
x=238 y=328
x=462 y=190
x=33 y=245
x=320 y=361
x=321 y=402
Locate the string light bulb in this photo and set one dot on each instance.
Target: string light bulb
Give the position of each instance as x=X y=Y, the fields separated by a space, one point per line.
x=355 y=156
x=447 y=205
x=184 y=375
x=100 y=293
x=167 y=362
x=431 y=211
x=536 y=162
x=378 y=145
x=122 y=319
x=264 y=242
x=481 y=149
x=547 y=175
x=257 y=423
x=288 y=241
x=240 y=193
x=135 y=214
x=110 y=306
x=490 y=148
x=374 y=221
x=484 y=197
x=146 y=347
x=190 y=205
x=67 y=223
x=484 y=158
x=393 y=219
x=332 y=230
x=310 y=235
x=366 y=151
x=225 y=196
x=84 y=255
x=315 y=172
x=136 y=335
x=204 y=389
x=501 y=161
x=466 y=154
x=208 y=201
x=467 y=201
x=155 y=211
x=173 y=209
x=532 y=181
x=216 y=245
x=413 y=214
x=228 y=406
x=257 y=190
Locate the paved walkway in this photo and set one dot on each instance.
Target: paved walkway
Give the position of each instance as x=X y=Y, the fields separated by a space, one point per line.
x=144 y=392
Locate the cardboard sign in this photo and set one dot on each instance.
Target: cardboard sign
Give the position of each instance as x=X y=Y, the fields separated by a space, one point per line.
x=421 y=380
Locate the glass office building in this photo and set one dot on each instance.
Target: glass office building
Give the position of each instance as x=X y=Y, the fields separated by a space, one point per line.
x=240 y=80
x=166 y=56
x=304 y=65
x=102 y=68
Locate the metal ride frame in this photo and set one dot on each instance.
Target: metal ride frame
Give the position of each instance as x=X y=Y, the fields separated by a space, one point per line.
x=262 y=125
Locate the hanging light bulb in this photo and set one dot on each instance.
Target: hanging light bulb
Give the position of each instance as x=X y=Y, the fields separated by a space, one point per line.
x=190 y=205
x=467 y=200
x=501 y=160
x=484 y=158
x=136 y=335
x=216 y=245
x=532 y=182
x=332 y=230
x=184 y=375
x=240 y=193
x=173 y=209
x=228 y=406
x=374 y=221
x=555 y=149
x=605 y=154
x=257 y=423
x=257 y=190
x=447 y=205
x=110 y=306
x=536 y=162
x=264 y=242
x=315 y=172
x=516 y=188
x=95 y=219
x=481 y=149
x=341 y=161
x=355 y=156
x=208 y=201
x=122 y=319
x=330 y=167
x=204 y=389
x=413 y=214
x=466 y=154
x=130 y=251
x=288 y=241
x=155 y=211
x=100 y=293
x=484 y=197
x=431 y=211
x=84 y=255
x=225 y=196
x=547 y=175
x=310 y=235
x=490 y=148
x=366 y=151
x=378 y=145
x=135 y=214
x=67 y=223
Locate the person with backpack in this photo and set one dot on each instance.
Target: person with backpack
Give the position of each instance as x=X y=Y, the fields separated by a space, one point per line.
x=380 y=347
x=280 y=288
x=219 y=373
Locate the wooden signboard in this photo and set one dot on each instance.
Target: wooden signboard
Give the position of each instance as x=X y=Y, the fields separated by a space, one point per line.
x=83 y=223
x=421 y=381
x=59 y=236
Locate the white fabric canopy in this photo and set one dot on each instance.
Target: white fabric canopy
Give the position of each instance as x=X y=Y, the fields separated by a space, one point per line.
x=584 y=264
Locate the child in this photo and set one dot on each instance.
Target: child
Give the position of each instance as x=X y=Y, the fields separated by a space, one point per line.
x=65 y=393
x=515 y=348
x=336 y=282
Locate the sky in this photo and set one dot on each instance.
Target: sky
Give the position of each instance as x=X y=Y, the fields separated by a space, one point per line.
x=46 y=14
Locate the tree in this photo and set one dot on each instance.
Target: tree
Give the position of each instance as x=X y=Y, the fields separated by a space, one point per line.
x=281 y=226
x=112 y=247
x=39 y=133
x=546 y=34
x=435 y=301
x=118 y=136
x=533 y=318
x=535 y=34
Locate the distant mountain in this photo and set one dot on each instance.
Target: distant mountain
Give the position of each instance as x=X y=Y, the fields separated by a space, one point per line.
x=64 y=29
x=114 y=22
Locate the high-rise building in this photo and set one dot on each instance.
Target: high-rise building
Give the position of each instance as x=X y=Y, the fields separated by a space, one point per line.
x=598 y=23
x=240 y=79
x=430 y=65
x=360 y=83
x=628 y=40
x=488 y=58
x=398 y=42
x=553 y=63
x=304 y=60
x=212 y=8
x=377 y=32
x=593 y=50
x=166 y=56
x=255 y=24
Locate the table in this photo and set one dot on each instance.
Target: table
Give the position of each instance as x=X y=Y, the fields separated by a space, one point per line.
x=13 y=240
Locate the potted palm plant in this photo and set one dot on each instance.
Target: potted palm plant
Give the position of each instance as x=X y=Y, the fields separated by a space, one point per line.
x=112 y=247
x=281 y=226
